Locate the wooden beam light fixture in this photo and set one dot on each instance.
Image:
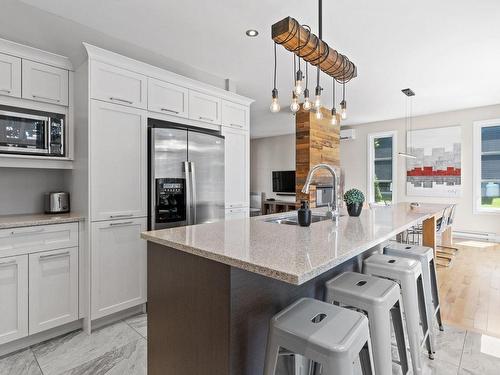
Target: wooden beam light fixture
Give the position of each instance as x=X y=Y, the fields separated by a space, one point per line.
x=301 y=41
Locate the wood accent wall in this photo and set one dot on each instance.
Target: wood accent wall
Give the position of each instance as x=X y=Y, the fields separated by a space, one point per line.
x=316 y=141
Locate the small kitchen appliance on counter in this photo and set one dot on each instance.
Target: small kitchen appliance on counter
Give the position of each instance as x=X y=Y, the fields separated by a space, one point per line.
x=56 y=202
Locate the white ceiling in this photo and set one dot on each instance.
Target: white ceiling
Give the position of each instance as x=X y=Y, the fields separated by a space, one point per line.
x=446 y=50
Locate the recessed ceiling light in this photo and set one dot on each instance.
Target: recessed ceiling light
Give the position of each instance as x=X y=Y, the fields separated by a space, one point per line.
x=252 y=33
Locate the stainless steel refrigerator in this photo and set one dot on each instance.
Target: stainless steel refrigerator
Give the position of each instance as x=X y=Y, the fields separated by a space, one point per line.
x=186 y=175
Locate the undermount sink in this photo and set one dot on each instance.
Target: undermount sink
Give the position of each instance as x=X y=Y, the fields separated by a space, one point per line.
x=293 y=220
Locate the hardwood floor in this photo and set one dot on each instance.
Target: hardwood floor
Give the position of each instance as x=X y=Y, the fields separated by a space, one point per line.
x=470 y=288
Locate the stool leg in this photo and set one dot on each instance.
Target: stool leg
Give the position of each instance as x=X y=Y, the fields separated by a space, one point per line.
x=380 y=334
x=429 y=303
x=423 y=317
x=272 y=353
x=410 y=298
x=366 y=361
x=435 y=294
x=397 y=321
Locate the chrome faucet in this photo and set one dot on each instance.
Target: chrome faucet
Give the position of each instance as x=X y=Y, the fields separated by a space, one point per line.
x=333 y=207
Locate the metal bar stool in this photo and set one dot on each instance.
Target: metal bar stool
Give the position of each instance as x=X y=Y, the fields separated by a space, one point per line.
x=329 y=335
x=425 y=255
x=379 y=299
x=408 y=274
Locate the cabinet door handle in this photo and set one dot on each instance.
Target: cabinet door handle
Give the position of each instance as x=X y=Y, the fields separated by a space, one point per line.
x=5 y=264
x=118 y=216
x=120 y=224
x=169 y=110
x=206 y=118
x=52 y=256
x=120 y=100
x=45 y=98
x=236 y=125
x=6 y=91
x=27 y=231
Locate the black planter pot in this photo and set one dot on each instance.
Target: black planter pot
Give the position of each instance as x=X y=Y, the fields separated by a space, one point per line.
x=354 y=209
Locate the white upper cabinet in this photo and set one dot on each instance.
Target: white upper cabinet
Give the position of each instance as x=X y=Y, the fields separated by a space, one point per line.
x=237 y=167
x=116 y=85
x=45 y=83
x=235 y=115
x=13 y=298
x=167 y=98
x=10 y=75
x=118 y=266
x=118 y=174
x=53 y=288
x=203 y=107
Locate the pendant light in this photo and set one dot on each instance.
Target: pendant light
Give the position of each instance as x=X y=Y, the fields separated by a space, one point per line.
x=299 y=88
x=343 y=103
x=408 y=123
x=275 y=104
x=295 y=106
x=307 y=102
x=334 y=120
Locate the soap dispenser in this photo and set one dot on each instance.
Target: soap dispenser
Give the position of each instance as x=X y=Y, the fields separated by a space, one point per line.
x=304 y=214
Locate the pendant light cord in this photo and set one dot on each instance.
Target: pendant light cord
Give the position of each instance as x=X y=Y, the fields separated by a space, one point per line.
x=275 y=65
x=333 y=92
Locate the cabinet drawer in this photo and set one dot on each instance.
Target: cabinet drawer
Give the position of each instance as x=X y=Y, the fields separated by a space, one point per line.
x=167 y=98
x=45 y=83
x=235 y=115
x=38 y=238
x=117 y=85
x=10 y=75
x=203 y=107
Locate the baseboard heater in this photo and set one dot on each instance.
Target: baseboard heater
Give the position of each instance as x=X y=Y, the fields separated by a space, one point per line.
x=485 y=236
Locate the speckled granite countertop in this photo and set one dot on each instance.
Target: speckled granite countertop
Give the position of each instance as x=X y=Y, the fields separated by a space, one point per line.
x=290 y=253
x=28 y=220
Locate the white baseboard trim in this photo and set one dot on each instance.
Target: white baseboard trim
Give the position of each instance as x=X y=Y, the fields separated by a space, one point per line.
x=120 y=315
x=37 y=338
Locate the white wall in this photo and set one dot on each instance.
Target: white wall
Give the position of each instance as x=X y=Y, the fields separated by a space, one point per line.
x=354 y=161
x=267 y=155
x=21 y=189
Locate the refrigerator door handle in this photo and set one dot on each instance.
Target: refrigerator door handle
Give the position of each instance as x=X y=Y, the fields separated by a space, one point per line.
x=189 y=201
x=193 y=191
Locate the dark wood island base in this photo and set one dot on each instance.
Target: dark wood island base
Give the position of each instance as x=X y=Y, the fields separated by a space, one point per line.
x=208 y=318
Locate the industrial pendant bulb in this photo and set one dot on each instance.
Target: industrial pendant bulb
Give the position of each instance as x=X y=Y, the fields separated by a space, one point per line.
x=275 y=104
x=343 y=109
x=299 y=83
x=295 y=106
x=343 y=104
x=307 y=102
x=319 y=114
x=334 y=120
x=317 y=100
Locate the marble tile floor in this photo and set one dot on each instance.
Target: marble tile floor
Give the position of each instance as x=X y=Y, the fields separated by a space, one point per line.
x=117 y=349
x=120 y=349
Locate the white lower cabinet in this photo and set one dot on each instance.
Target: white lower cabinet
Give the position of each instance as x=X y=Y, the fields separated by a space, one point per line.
x=118 y=266
x=13 y=298
x=53 y=288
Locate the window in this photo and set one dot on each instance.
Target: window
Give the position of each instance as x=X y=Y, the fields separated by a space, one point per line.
x=487 y=166
x=382 y=168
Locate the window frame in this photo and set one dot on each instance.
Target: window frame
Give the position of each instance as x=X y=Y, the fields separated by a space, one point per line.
x=477 y=168
x=371 y=165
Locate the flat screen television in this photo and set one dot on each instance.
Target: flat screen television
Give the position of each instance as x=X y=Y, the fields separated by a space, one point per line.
x=284 y=182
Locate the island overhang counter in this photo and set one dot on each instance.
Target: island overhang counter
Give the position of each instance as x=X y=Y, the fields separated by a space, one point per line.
x=212 y=288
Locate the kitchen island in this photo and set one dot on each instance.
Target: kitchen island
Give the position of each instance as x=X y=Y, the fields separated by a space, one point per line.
x=212 y=288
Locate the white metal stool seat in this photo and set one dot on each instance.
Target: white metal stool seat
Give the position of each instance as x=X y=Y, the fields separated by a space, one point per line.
x=425 y=255
x=408 y=274
x=329 y=335
x=378 y=298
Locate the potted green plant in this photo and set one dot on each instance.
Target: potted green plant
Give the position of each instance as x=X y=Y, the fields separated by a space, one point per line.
x=354 y=200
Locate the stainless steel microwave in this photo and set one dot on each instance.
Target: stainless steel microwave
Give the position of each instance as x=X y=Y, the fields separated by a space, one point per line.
x=30 y=133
